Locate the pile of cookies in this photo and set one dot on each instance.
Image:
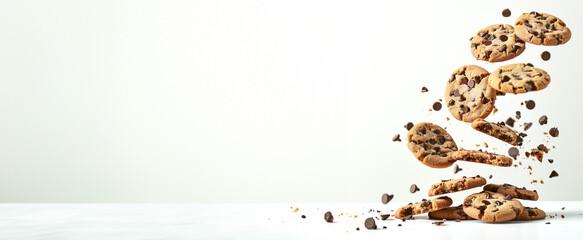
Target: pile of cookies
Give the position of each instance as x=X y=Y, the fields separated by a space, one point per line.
x=470 y=95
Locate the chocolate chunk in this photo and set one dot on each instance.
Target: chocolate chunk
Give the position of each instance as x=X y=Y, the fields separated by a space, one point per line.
x=530 y=104
x=456 y=169
x=527 y=126
x=506 y=12
x=529 y=86
x=510 y=122
x=303 y=216
x=357 y=229
x=471 y=84
x=554 y=174
x=530 y=65
x=437 y=106
x=543 y=120
x=488 y=43
x=548 y=223
x=385 y=216
x=505 y=78
x=384 y=227
x=554 y=132
x=456 y=93
x=370 y=224
x=424 y=89
x=502 y=48
x=386 y=198
x=397 y=138
x=413 y=188
x=490 y=177
x=551 y=160
x=328 y=217
x=409 y=125
x=545 y=55
x=518 y=116
x=513 y=152
x=503 y=38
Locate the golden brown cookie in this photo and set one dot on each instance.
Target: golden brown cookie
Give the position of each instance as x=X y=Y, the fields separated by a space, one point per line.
x=513 y=191
x=498 y=130
x=529 y=214
x=541 y=29
x=479 y=156
x=450 y=213
x=424 y=206
x=456 y=185
x=519 y=78
x=468 y=94
x=431 y=145
x=496 y=43
x=492 y=207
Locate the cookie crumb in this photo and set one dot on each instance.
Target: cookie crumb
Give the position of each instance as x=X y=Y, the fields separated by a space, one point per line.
x=296 y=210
x=437 y=223
x=424 y=89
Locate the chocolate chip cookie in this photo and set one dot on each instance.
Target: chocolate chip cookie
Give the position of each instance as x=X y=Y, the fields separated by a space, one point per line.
x=456 y=185
x=519 y=78
x=492 y=207
x=496 y=43
x=424 y=206
x=468 y=94
x=479 y=156
x=431 y=145
x=513 y=191
x=542 y=29
x=498 y=130
x=450 y=213
x=531 y=214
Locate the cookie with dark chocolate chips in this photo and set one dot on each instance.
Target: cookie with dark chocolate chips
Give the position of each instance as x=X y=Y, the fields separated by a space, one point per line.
x=496 y=43
x=484 y=157
x=519 y=78
x=498 y=130
x=424 y=206
x=492 y=207
x=541 y=29
x=468 y=94
x=513 y=191
x=529 y=214
x=431 y=145
x=456 y=185
x=450 y=213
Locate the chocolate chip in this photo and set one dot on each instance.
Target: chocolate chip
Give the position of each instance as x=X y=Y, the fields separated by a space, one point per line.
x=530 y=104
x=357 y=229
x=506 y=12
x=370 y=224
x=408 y=126
x=506 y=78
x=510 y=122
x=551 y=160
x=513 y=152
x=384 y=227
x=471 y=84
x=328 y=217
x=529 y=86
x=424 y=89
x=502 y=48
x=543 y=120
x=490 y=177
x=545 y=55
x=488 y=43
x=503 y=38
x=518 y=116
x=437 y=106
x=385 y=216
x=397 y=138
x=456 y=93
x=527 y=126
x=386 y=198
x=422 y=130
x=554 y=132
x=413 y=188
x=554 y=174
x=303 y=216
x=468 y=203
x=456 y=169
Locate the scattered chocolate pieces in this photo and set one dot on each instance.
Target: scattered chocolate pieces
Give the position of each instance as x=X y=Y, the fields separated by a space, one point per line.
x=490 y=177
x=328 y=217
x=397 y=138
x=543 y=120
x=437 y=106
x=370 y=224
x=551 y=160
x=384 y=227
x=424 y=89
x=303 y=216
x=357 y=229
x=513 y=152
x=456 y=169
x=554 y=174
x=398 y=225
x=548 y=223
x=409 y=125
x=385 y=216
x=545 y=55
x=506 y=12
x=386 y=198
x=530 y=104
x=554 y=132
x=518 y=116
x=527 y=126
x=437 y=223
x=413 y=188
x=510 y=122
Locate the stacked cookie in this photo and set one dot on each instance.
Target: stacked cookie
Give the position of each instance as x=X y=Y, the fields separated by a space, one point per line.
x=470 y=95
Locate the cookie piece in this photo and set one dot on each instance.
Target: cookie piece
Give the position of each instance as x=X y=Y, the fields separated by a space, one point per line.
x=519 y=78
x=424 y=206
x=498 y=130
x=496 y=43
x=513 y=191
x=456 y=185
x=468 y=94
x=480 y=156
x=492 y=207
x=531 y=214
x=431 y=145
x=541 y=29
x=450 y=213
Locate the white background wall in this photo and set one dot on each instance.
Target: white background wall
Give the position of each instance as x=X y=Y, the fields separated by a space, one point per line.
x=256 y=101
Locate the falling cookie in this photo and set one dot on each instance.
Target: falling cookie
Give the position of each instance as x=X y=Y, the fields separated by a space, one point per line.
x=468 y=94
x=541 y=29
x=496 y=43
x=479 y=156
x=424 y=206
x=498 y=130
x=513 y=191
x=456 y=185
x=492 y=207
x=431 y=145
x=519 y=78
